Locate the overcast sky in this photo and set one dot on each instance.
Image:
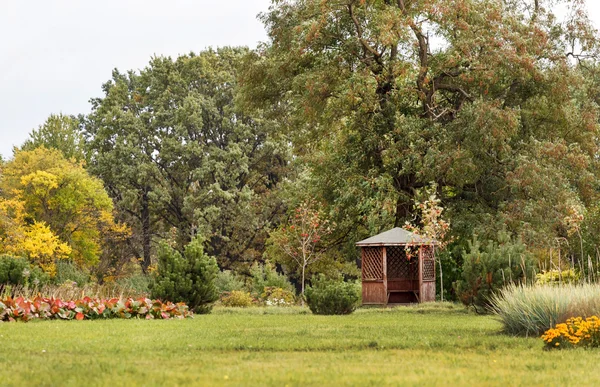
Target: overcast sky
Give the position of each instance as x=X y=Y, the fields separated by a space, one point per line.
x=55 y=54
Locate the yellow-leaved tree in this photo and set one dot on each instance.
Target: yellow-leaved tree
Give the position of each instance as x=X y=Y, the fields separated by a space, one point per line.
x=51 y=208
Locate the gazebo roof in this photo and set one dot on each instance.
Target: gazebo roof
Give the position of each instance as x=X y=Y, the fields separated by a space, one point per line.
x=396 y=237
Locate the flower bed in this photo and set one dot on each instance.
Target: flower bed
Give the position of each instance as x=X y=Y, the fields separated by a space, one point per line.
x=21 y=309
x=576 y=332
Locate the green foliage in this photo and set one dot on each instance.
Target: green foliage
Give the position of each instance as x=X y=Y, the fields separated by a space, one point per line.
x=227 y=281
x=137 y=282
x=265 y=275
x=177 y=153
x=300 y=241
x=18 y=271
x=451 y=260
x=237 y=299
x=273 y=296
x=68 y=272
x=326 y=296
x=531 y=310
x=490 y=266
x=189 y=278
x=382 y=97
x=59 y=132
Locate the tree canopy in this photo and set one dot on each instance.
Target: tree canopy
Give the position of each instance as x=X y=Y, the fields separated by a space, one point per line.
x=58 y=132
x=52 y=209
x=368 y=109
x=181 y=159
x=491 y=100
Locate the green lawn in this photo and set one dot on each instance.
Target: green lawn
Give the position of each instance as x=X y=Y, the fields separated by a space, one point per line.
x=435 y=344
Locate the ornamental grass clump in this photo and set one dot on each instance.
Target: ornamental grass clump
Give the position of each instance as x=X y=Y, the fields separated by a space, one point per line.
x=575 y=332
x=531 y=310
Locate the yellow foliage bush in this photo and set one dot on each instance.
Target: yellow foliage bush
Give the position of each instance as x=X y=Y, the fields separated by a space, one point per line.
x=576 y=332
x=237 y=298
x=35 y=241
x=274 y=296
x=555 y=277
x=43 y=247
x=52 y=209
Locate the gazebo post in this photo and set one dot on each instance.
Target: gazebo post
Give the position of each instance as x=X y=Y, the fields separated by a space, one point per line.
x=420 y=266
x=385 y=284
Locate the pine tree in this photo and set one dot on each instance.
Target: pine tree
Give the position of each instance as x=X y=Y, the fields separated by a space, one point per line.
x=189 y=278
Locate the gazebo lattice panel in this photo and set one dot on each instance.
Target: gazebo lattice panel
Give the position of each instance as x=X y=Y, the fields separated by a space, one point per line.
x=428 y=264
x=398 y=264
x=372 y=263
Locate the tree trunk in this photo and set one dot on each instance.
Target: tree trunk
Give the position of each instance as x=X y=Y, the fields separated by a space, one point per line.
x=441 y=277
x=302 y=291
x=146 y=231
x=403 y=211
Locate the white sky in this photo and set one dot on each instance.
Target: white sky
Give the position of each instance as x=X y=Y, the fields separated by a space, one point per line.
x=56 y=54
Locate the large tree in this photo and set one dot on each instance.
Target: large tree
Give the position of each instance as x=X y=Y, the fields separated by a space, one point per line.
x=177 y=155
x=485 y=98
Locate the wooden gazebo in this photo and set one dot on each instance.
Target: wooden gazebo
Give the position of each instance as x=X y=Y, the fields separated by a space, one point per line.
x=390 y=275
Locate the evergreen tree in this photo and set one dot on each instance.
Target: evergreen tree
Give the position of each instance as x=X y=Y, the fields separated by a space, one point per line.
x=189 y=278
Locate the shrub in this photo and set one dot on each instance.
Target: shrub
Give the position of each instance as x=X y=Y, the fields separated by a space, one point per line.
x=488 y=268
x=273 y=296
x=189 y=278
x=555 y=277
x=266 y=276
x=575 y=332
x=226 y=281
x=21 y=309
x=531 y=310
x=332 y=296
x=69 y=272
x=237 y=298
x=138 y=283
x=18 y=271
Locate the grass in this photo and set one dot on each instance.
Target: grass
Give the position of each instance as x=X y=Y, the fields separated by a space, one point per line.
x=425 y=345
x=69 y=291
x=531 y=310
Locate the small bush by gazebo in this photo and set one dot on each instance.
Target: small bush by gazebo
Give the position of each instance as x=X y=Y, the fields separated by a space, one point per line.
x=398 y=267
